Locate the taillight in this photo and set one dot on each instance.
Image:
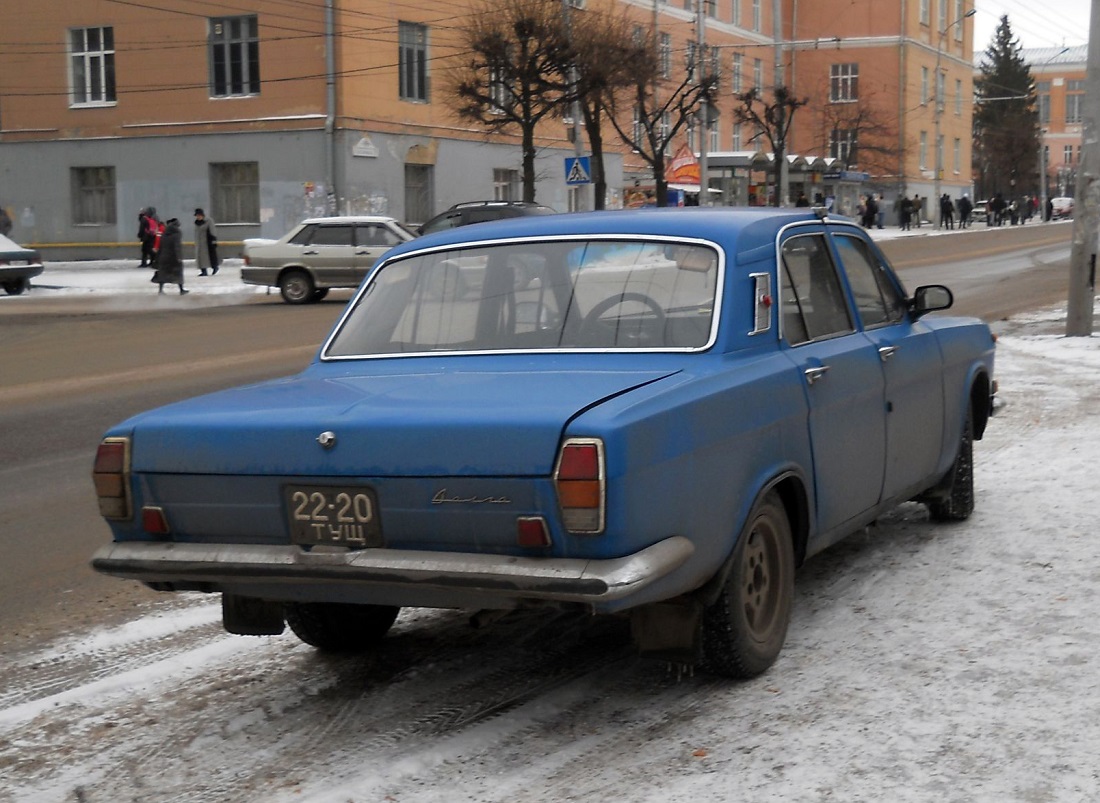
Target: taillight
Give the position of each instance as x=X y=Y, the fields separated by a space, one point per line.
x=111 y=475
x=579 y=480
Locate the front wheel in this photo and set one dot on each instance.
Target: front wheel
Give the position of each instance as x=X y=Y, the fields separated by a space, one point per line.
x=339 y=627
x=958 y=503
x=744 y=630
x=296 y=287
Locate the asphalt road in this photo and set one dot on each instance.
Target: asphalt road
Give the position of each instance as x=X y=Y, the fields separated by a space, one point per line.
x=68 y=371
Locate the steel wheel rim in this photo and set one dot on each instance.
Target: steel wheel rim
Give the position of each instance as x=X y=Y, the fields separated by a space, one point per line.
x=761 y=584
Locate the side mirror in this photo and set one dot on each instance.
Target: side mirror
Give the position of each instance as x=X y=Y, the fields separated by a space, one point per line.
x=930 y=298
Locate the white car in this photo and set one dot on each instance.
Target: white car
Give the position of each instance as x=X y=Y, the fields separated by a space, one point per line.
x=321 y=253
x=18 y=265
x=1061 y=207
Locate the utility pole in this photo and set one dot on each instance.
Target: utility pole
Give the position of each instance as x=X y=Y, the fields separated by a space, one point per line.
x=701 y=64
x=783 y=180
x=575 y=111
x=1086 y=204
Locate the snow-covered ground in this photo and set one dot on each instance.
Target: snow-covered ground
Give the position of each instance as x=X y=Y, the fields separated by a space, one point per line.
x=925 y=662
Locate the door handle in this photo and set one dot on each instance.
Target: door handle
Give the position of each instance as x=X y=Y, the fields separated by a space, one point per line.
x=886 y=352
x=814 y=374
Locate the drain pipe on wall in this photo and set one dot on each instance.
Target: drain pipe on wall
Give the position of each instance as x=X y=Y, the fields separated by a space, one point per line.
x=333 y=194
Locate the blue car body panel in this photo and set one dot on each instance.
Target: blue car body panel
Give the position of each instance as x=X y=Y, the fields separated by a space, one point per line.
x=458 y=447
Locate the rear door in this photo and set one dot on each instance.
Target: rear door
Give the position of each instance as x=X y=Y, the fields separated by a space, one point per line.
x=843 y=381
x=331 y=255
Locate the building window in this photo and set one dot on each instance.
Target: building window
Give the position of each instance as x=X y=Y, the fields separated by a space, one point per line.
x=959 y=16
x=758 y=73
x=500 y=95
x=940 y=79
x=505 y=184
x=712 y=143
x=923 y=154
x=637 y=130
x=710 y=8
x=957 y=156
x=665 y=55
x=842 y=145
x=737 y=143
x=941 y=16
x=756 y=15
x=924 y=16
x=1075 y=98
x=93 y=196
x=735 y=80
x=958 y=98
x=235 y=190
x=1042 y=92
x=234 y=57
x=413 y=61
x=924 y=98
x=691 y=135
x=418 y=192
x=92 y=59
x=735 y=12
x=1067 y=154
x=843 y=82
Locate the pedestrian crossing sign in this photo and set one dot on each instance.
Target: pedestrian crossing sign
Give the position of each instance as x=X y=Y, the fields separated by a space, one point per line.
x=577 y=170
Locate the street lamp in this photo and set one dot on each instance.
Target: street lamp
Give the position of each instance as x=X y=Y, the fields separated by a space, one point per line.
x=937 y=113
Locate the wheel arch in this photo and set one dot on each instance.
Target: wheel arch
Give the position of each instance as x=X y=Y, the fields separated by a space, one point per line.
x=981 y=402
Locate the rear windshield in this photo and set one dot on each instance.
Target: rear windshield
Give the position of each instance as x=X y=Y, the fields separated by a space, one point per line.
x=595 y=294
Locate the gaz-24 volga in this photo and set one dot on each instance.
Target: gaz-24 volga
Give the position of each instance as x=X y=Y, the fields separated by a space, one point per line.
x=656 y=413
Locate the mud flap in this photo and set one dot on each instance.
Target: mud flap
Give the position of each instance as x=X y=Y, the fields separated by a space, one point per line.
x=669 y=631
x=248 y=616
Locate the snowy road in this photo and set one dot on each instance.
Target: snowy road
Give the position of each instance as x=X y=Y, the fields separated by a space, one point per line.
x=946 y=663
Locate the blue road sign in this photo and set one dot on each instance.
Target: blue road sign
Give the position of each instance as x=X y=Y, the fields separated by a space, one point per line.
x=578 y=170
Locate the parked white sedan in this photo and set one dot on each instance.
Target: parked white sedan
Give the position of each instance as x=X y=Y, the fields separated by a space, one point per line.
x=321 y=253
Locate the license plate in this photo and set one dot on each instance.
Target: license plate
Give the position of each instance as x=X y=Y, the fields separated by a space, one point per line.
x=334 y=515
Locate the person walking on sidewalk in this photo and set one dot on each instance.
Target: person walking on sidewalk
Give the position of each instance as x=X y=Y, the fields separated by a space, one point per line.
x=170 y=257
x=206 y=244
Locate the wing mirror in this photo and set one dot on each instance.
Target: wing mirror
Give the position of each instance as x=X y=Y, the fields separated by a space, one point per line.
x=930 y=298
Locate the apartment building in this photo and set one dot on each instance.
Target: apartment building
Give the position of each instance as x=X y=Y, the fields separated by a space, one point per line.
x=1060 y=85
x=264 y=112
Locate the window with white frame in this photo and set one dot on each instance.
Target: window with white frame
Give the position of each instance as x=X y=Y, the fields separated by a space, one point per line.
x=666 y=126
x=234 y=56
x=1067 y=154
x=738 y=142
x=940 y=79
x=710 y=8
x=758 y=73
x=691 y=134
x=1042 y=91
x=235 y=191
x=412 y=61
x=712 y=139
x=923 y=151
x=959 y=15
x=956 y=160
x=843 y=82
x=924 y=98
x=756 y=15
x=92 y=66
x=924 y=15
x=500 y=94
x=735 y=12
x=665 y=55
x=1075 y=98
x=735 y=78
x=505 y=184
x=941 y=15
x=958 y=97
x=842 y=145
x=637 y=132
x=93 y=196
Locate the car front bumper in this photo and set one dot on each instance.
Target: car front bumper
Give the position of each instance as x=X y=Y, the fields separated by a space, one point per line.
x=391 y=576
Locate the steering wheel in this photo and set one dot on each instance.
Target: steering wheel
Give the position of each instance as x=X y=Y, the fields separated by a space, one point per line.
x=639 y=329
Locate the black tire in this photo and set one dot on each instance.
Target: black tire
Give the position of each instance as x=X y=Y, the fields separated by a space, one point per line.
x=338 y=627
x=296 y=287
x=958 y=503
x=16 y=286
x=319 y=294
x=744 y=630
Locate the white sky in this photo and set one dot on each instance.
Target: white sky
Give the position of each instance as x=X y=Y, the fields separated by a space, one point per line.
x=1037 y=23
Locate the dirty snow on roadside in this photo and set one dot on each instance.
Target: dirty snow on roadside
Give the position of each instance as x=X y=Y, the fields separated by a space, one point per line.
x=924 y=662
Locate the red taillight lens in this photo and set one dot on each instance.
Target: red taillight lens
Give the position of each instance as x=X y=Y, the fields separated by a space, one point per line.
x=154 y=521
x=579 y=481
x=531 y=531
x=111 y=475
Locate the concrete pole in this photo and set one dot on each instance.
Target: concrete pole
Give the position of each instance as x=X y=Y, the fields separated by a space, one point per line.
x=704 y=128
x=1086 y=204
x=783 y=185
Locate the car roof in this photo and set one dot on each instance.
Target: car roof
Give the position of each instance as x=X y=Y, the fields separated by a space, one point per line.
x=474 y=204
x=350 y=219
x=750 y=227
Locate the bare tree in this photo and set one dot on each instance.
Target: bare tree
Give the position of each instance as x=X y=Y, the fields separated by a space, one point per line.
x=512 y=77
x=657 y=108
x=871 y=135
x=771 y=121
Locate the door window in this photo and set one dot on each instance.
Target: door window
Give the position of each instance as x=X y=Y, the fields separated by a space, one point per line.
x=332 y=235
x=878 y=300
x=813 y=299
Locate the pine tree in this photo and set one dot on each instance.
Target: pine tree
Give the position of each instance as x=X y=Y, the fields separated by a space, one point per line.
x=1006 y=119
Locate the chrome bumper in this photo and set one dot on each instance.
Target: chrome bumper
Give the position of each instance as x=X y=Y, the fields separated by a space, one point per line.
x=499 y=576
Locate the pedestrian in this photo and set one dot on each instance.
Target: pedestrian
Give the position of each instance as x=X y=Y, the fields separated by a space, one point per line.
x=918 y=208
x=947 y=212
x=170 y=257
x=905 y=212
x=998 y=206
x=966 y=207
x=802 y=200
x=870 y=212
x=5 y=222
x=880 y=216
x=206 y=244
x=148 y=231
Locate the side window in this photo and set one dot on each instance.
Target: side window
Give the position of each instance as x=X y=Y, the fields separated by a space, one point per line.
x=878 y=300
x=375 y=236
x=812 y=297
x=304 y=236
x=332 y=235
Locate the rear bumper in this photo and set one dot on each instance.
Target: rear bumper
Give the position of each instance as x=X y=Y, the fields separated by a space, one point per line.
x=398 y=577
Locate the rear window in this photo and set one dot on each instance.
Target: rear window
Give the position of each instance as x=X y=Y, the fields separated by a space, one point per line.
x=595 y=294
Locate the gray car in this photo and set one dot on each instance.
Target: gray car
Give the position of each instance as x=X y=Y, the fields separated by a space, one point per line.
x=18 y=265
x=319 y=254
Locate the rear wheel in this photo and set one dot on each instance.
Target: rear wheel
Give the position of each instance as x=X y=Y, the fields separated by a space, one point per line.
x=338 y=627
x=958 y=504
x=16 y=286
x=296 y=287
x=744 y=630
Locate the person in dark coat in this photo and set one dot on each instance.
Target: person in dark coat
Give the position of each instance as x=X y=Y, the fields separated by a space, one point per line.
x=966 y=207
x=170 y=257
x=148 y=228
x=5 y=222
x=206 y=244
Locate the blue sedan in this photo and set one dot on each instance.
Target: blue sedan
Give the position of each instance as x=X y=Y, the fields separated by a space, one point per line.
x=656 y=412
